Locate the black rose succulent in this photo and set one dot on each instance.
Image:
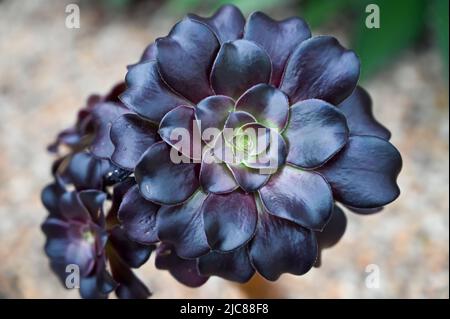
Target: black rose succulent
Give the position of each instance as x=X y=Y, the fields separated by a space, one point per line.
x=242 y=137
x=319 y=143
x=79 y=234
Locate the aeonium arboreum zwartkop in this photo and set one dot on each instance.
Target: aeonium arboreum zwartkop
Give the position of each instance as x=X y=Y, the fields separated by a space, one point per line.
x=86 y=246
x=239 y=140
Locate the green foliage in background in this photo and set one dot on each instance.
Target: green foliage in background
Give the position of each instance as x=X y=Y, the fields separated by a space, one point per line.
x=246 y=6
x=402 y=23
x=319 y=12
x=439 y=18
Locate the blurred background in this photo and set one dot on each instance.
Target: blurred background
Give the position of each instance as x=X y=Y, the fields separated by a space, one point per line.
x=47 y=71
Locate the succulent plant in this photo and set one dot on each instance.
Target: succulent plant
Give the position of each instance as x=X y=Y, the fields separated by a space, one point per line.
x=79 y=234
x=301 y=91
x=242 y=138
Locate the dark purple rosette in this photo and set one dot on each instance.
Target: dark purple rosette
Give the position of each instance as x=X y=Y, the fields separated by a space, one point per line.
x=92 y=121
x=247 y=133
x=80 y=238
x=231 y=146
x=79 y=234
x=85 y=148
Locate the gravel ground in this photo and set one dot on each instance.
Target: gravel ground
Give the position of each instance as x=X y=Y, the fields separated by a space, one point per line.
x=47 y=71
